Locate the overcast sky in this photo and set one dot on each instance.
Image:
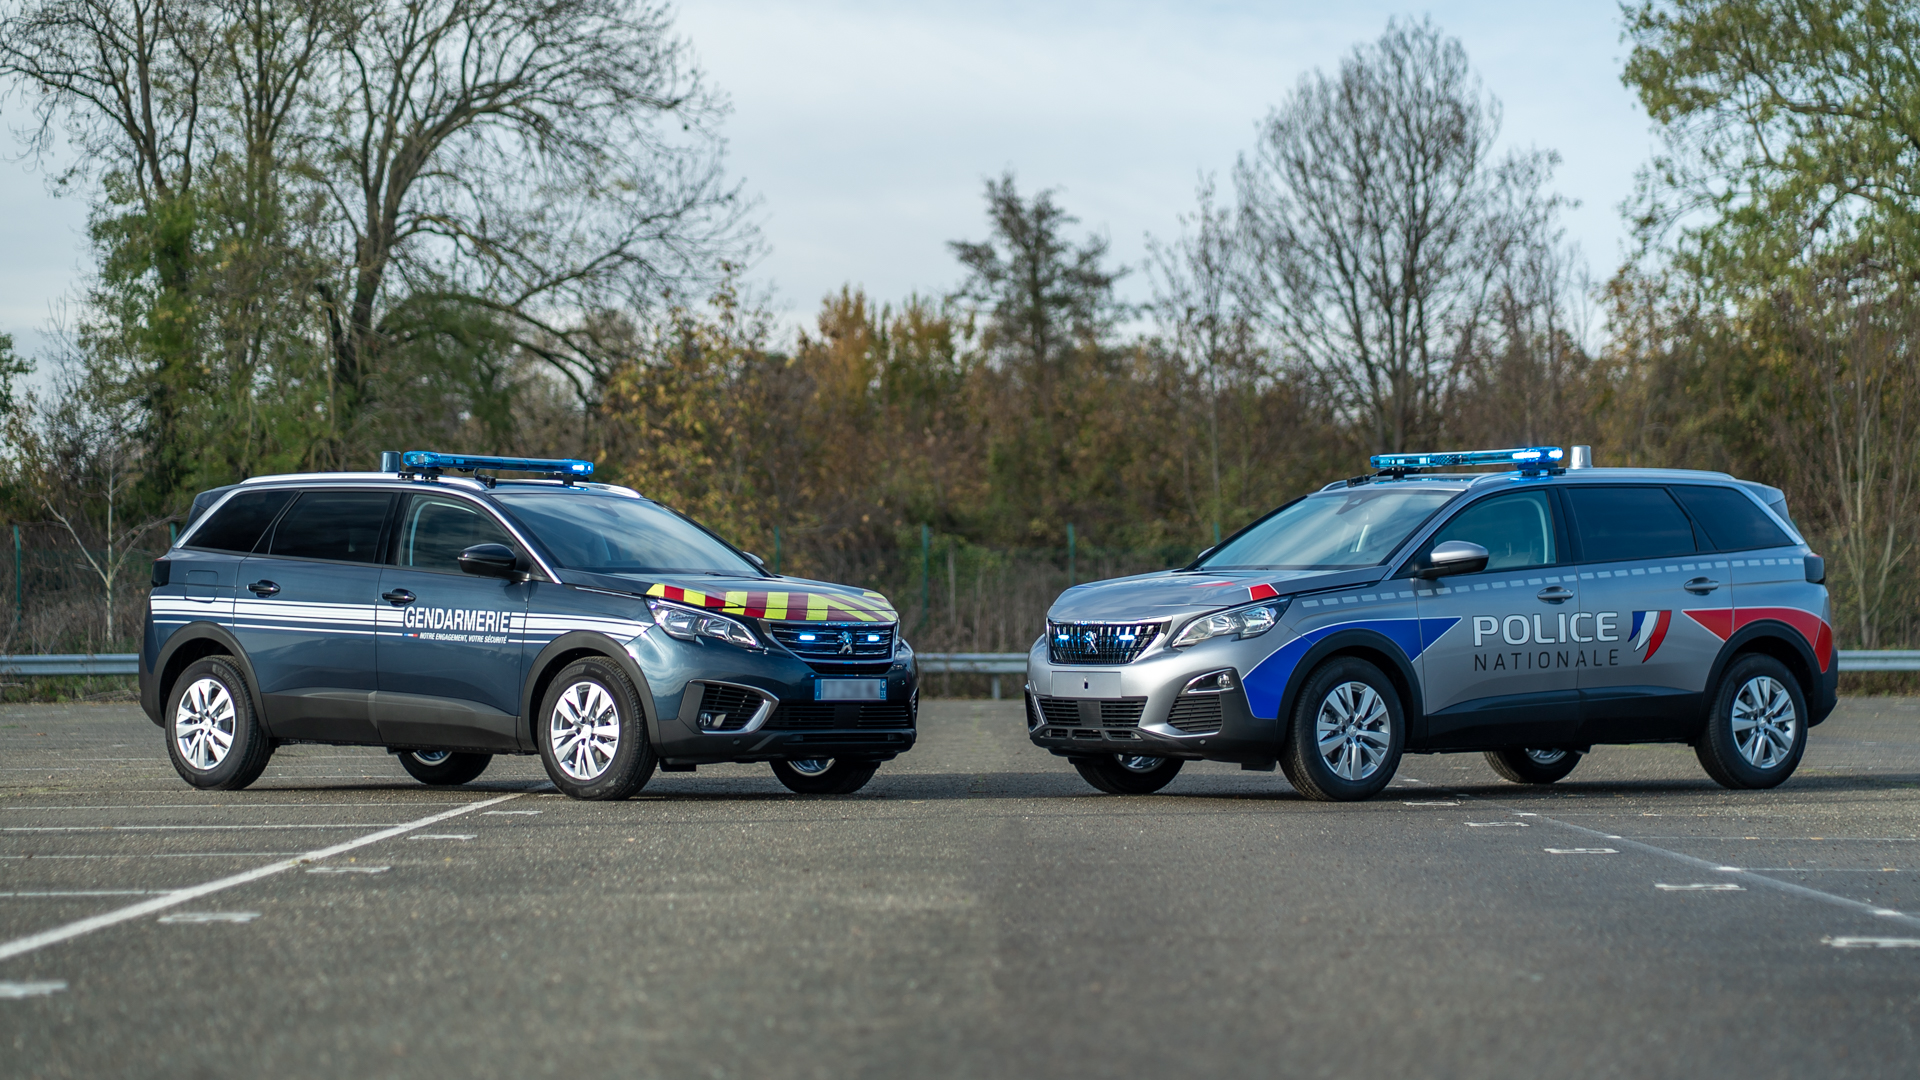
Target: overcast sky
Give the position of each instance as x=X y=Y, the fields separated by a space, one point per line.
x=867 y=130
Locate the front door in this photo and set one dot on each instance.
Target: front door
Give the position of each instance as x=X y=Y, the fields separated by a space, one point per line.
x=1504 y=674
x=305 y=611
x=1650 y=600
x=450 y=642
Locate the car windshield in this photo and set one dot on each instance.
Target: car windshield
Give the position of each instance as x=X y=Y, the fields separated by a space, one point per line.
x=1334 y=530
x=616 y=534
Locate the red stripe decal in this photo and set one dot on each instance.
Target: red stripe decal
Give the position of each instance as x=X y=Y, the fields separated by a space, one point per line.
x=1812 y=627
x=1718 y=621
x=1261 y=592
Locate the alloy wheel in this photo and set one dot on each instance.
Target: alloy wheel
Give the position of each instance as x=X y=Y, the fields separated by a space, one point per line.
x=203 y=724
x=585 y=732
x=1765 y=723
x=1354 y=730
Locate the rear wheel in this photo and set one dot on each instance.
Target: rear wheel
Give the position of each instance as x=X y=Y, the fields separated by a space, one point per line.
x=1128 y=774
x=1757 y=729
x=1347 y=731
x=213 y=738
x=825 y=776
x=1532 y=766
x=443 y=767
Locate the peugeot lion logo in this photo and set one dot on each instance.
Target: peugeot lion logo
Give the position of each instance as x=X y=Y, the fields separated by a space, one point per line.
x=846 y=642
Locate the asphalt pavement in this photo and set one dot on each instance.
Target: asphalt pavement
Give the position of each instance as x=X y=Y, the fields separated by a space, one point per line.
x=977 y=910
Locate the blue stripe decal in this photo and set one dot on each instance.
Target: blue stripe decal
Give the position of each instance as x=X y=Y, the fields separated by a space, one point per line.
x=1267 y=682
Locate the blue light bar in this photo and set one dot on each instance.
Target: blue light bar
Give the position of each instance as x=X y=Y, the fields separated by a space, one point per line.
x=1525 y=458
x=427 y=459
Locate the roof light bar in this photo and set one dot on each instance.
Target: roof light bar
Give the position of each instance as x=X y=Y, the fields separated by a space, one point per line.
x=1525 y=458
x=427 y=459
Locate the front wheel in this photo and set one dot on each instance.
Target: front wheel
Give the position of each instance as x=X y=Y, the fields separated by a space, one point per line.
x=1346 y=734
x=593 y=739
x=213 y=738
x=1128 y=774
x=443 y=768
x=825 y=776
x=1532 y=766
x=1757 y=729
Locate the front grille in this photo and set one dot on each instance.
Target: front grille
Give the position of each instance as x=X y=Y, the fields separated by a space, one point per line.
x=1098 y=643
x=1196 y=714
x=838 y=648
x=727 y=708
x=843 y=714
x=1113 y=713
x=1062 y=711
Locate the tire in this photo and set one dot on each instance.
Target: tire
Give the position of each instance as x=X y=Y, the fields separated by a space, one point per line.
x=825 y=776
x=1532 y=766
x=592 y=734
x=1758 y=727
x=1346 y=734
x=213 y=738
x=1128 y=774
x=443 y=768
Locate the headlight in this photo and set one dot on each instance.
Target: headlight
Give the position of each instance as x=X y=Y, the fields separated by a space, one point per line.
x=689 y=624
x=1243 y=622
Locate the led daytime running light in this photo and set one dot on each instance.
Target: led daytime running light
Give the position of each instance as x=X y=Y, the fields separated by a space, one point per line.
x=691 y=624
x=1246 y=622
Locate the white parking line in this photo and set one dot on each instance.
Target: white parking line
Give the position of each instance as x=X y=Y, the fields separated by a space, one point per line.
x=73 y=930
x=348 y=869
x=1698 y=888
x=15 y=990
x=1872 y=942
x=1583 y=851
x=181 y=828
x=210 y=917
x=83 y=892
x=1496 y=824
x=444 y=836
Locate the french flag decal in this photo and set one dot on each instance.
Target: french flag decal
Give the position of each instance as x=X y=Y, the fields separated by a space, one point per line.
x=1649 y=630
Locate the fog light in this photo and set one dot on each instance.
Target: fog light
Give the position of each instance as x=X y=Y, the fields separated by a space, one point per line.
x=1213 y=682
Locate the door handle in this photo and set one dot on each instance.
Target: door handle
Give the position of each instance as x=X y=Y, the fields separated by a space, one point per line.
x=398 y=597
x=1555 y=594
x=263 y=588
x=1701 y=586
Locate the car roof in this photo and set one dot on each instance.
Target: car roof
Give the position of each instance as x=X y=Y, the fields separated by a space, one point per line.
x=464 y=483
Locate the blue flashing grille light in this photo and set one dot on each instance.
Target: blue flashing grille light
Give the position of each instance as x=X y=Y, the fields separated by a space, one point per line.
x=1528 y=459
x=427 y=459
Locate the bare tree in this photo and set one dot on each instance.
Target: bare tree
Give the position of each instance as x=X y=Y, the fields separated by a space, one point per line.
x=1371 y=202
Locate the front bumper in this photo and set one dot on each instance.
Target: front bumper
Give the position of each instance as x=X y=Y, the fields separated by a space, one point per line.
x=770 y=706
x=1080 y=710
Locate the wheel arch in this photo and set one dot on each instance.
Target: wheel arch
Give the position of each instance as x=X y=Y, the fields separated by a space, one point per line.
x=566 y=649
x=193 y=642
x=1769 y=637
x=1375 y=648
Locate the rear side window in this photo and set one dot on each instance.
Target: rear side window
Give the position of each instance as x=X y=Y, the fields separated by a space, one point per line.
x=339 y=525
x=1516 y=530
x=436 y=530
x=1731 y=521
x=238 y=524
x=1616 y=524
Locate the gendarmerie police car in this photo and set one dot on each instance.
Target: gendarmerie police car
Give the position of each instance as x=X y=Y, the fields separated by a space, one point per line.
x=1529 y=614
x=452 y=618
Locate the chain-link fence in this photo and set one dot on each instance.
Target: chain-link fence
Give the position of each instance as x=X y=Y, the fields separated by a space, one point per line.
x=56 y=599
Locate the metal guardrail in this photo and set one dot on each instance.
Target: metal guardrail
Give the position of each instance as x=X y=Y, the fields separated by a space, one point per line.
x=995 y=664
x=71 y=664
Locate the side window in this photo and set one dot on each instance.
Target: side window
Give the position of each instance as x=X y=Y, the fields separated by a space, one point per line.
x=1617 y=524
x=238 y=524
x=1516 y=530
x=1731 y=521
x=340 y=525
x=435 y=531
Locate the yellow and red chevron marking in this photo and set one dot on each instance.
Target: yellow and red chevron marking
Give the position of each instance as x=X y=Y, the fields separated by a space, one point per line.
x=792 y=606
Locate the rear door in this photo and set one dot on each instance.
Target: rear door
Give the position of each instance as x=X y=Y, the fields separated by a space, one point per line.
x=450 y=651
x=1768 y=568
x=305 y=611
x=1504 y=674
x=1652 y=596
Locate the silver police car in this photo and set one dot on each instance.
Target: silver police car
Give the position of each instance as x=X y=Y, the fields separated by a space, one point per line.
x=1529 y=614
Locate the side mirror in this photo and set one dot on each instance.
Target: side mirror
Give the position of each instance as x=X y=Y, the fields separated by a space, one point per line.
x=1452 y=557
x=490 y=560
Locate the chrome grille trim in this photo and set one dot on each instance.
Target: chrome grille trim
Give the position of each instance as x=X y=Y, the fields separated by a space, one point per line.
x=1098 y=643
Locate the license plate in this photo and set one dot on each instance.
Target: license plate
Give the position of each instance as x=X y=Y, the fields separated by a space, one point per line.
x=850 y=690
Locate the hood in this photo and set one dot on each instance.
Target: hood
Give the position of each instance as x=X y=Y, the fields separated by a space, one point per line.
x=1172 y=594
x=785 y=599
